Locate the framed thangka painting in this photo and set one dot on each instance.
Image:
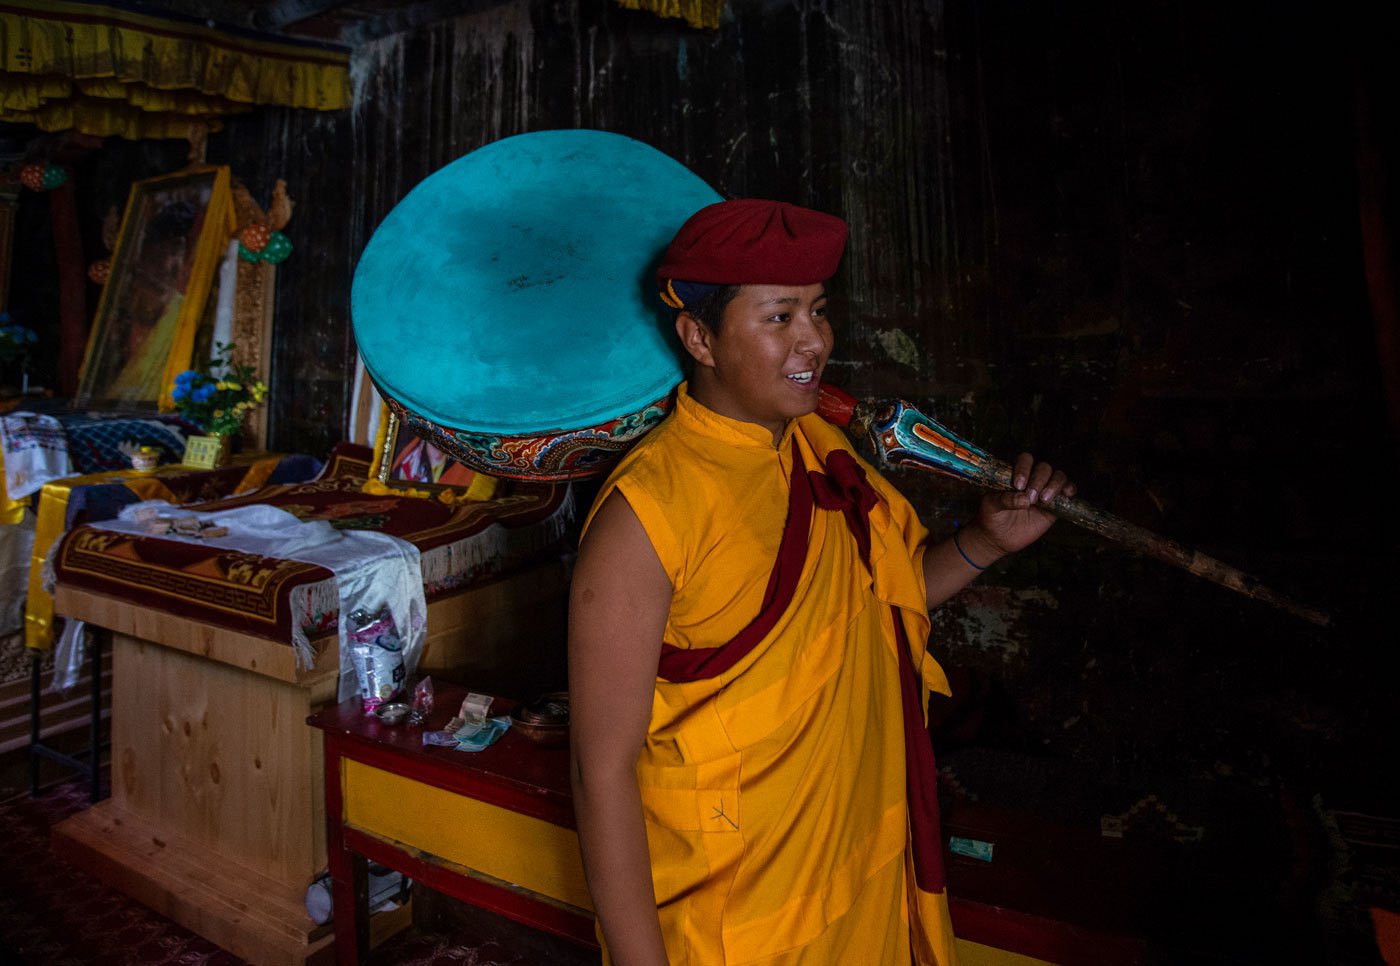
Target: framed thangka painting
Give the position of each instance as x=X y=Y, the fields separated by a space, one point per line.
x=172 y=237
x=404 y=459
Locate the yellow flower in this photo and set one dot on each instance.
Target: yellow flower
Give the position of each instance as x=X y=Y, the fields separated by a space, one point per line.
x=218 y=413
x=235 y=386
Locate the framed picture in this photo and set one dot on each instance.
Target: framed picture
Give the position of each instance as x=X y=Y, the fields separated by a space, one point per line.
x=401 y=457
x=172 y=236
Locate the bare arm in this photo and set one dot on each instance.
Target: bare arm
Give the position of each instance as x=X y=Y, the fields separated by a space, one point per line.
x=617 y=614
x=1007 y=522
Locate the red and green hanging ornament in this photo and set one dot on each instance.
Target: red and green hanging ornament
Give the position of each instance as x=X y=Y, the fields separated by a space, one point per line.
x=260 y=237
x=39 y=176
x=252 y=240
x=279 y=246
x=274 y=250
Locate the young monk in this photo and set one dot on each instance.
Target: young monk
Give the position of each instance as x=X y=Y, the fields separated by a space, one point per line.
x=747 y=666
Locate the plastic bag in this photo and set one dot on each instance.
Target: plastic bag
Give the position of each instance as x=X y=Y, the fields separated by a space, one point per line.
x=68 y=656
x=377 y=652
x=422 y=702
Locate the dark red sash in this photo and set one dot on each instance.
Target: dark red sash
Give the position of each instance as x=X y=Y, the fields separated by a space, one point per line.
x=843 y=487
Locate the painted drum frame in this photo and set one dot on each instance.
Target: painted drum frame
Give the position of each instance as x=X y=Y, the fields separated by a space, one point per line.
x=551 y=455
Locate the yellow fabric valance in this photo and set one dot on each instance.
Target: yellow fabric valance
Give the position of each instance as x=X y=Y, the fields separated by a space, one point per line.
x=704 y=14
x=108 y=70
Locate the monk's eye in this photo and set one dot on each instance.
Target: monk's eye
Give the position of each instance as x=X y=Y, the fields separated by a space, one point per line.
x=779 y=318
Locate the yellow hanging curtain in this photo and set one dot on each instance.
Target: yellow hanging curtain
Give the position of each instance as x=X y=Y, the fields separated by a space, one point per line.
x=704 y=14
x=108 y=70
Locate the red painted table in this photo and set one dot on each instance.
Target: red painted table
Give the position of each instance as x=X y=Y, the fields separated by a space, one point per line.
x=496 y=829
x=501 y=829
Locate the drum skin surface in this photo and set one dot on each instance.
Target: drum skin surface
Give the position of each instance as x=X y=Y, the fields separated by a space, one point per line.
x=507 y=310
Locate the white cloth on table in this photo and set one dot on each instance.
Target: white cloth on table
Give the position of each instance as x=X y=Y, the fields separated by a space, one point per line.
x=36 y=451
x=372 y=570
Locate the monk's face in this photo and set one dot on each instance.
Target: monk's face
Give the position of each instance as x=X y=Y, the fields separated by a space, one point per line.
x=765 y=363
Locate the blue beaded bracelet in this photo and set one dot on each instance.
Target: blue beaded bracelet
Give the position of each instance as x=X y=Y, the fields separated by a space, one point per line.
x=958 y=544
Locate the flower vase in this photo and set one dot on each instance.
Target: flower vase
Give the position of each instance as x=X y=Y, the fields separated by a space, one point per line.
x=208 y=452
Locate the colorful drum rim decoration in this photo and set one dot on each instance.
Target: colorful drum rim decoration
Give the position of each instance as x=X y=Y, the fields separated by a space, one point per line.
x=572 y=454
x=506 y=308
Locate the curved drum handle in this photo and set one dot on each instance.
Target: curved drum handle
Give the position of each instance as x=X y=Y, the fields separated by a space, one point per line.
x=902 y=435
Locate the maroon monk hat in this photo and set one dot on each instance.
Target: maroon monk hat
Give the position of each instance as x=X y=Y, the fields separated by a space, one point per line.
x=750 y=241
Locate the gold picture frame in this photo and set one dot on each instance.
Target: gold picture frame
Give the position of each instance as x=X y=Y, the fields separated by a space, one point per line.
x=172 y=237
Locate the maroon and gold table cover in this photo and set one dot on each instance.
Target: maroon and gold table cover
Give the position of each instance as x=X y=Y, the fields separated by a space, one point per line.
x=460 y=545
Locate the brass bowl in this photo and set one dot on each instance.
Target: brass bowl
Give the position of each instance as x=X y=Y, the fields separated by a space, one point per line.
x=545 y=719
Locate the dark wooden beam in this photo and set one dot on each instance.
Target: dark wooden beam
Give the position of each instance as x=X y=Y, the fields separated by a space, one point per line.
x=230 y=12
x=283 y=13
x=411 y=17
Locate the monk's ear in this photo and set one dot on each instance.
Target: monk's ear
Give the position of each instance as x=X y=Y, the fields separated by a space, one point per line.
x=695 y=336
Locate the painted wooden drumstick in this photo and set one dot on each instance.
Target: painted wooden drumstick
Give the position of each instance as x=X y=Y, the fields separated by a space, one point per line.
x=904 y=436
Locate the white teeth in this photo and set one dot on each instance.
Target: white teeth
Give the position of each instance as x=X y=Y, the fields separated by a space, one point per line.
x=802 y=377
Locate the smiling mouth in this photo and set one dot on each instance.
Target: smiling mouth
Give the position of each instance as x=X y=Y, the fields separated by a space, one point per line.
x=803 y=378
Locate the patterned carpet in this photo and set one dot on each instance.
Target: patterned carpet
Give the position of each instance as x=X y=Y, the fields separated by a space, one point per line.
x=52 y=914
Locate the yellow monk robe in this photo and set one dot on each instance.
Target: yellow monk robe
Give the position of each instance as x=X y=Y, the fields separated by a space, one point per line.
x=774 y=792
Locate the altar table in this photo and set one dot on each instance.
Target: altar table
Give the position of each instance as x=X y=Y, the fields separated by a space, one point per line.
x=217 y=814
x=67 y=502
x=101 y=495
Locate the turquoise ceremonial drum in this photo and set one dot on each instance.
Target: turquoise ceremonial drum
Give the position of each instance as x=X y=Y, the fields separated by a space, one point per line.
x=507 y=310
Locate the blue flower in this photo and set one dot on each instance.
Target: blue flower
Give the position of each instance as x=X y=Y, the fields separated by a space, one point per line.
x=202 y=393
x=186 y=377
x=179 y=393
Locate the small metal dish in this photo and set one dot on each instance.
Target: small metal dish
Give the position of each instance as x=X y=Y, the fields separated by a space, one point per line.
x=544 y=720
x=392 y=713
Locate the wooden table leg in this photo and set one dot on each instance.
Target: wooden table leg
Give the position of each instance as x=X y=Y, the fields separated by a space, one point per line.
x=349 y=875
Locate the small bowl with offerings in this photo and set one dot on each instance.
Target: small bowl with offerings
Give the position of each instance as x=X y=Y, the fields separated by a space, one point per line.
x=545 y=719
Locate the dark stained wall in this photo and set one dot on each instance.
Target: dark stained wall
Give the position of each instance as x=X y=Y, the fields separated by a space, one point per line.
x=1124 y=237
